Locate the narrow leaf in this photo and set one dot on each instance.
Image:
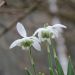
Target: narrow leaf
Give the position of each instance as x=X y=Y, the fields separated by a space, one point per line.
x=59 y=67
x=70 y=70
x=28 y=72
x=51 y=71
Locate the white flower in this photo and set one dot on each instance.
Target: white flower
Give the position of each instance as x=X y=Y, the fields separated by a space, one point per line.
x=25 y=42
x=49 y=32
x=43 y=34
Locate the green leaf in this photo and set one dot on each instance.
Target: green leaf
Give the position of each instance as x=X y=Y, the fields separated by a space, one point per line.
x=51 y=71
x=28 y=72
x=59 y=67
x=70 y=70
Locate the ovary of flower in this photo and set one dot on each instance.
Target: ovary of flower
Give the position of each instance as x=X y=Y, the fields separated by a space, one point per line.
x=49 y=32
x=25 y=42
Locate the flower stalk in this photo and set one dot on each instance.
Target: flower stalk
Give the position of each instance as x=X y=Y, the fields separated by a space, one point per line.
x=28 y=71
x=50 y=61
x=32 y=62
x=53 y=48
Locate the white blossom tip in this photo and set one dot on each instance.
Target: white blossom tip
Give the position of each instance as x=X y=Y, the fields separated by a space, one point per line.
x=21 y=30
x=59 y=25
x=11 y=46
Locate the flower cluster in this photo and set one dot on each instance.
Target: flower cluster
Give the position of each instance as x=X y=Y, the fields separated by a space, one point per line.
x=44 y=34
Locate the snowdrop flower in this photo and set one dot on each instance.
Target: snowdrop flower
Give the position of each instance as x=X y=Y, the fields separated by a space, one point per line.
x=43 y=34
x=49 y=32
x=25 y=42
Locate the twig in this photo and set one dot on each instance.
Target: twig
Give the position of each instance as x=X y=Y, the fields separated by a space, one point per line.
x=2 y=2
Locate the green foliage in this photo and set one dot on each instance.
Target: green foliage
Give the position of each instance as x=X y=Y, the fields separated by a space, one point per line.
x=58 y=67
x=70 y=70
x=51 y=71
x=28 y=72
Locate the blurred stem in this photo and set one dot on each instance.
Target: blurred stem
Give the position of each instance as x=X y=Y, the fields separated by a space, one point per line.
x=50 y=61
x=28 y=72
x=32 y=62
x=40 y=73
x=53 y=48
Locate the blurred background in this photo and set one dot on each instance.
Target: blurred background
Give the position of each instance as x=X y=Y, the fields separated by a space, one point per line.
x=33 y=14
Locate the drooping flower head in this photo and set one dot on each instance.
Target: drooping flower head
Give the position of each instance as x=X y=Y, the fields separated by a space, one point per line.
x=25 y=42
x=43 y=34
x=48 y=32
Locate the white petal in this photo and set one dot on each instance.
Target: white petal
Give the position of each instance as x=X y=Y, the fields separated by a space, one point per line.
x=35 y=39
x=40 y=36
x=59 y=25
x=15 y=43
x=56 y=33
x=37 y=46
x=50 y=29
x=21 y=30
x=38 y=30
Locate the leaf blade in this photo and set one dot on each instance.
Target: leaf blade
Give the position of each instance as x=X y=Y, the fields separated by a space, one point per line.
x=70 y=70
x=58 y=67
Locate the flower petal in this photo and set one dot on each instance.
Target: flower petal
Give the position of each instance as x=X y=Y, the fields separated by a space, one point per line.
x=40 y=36
x=35 y=39
x=59 y=25
x=21 y=30
x=37 y=46
x=15 y=43
x=38 y=30
x=50 y=29
x=56 y=30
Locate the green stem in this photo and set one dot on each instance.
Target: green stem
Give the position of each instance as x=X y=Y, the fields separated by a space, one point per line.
x=54 y=50
x=32 y=62
x=28 y=72
x=50 y=61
